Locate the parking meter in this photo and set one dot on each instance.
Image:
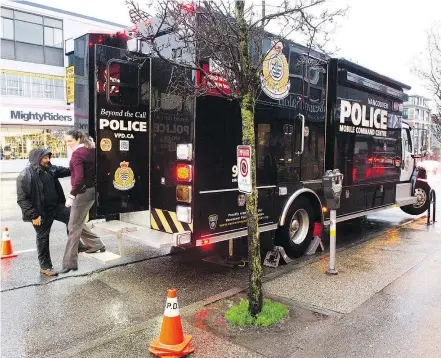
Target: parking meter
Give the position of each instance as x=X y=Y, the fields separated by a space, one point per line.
x=332 y=188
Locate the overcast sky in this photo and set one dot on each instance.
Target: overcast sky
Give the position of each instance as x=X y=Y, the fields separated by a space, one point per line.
x=386 y=36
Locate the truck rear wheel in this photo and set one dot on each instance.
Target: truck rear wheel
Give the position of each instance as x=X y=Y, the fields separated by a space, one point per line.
x=422 y=190
x=296 y=235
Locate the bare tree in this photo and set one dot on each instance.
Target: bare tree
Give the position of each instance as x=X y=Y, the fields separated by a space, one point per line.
x=430 y=72
x=230 y=36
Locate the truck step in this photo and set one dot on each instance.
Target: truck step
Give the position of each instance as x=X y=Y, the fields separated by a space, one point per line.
x=150 y=237
x=106 y=257
x=406 y=201
x=140 y=234
x=115 y=227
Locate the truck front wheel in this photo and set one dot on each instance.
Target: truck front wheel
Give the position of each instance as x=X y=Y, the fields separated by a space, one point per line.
x=296 y=235
x=422 y=190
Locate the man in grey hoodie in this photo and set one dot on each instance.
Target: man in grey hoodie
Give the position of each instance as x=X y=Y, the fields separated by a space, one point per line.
x=42 y=200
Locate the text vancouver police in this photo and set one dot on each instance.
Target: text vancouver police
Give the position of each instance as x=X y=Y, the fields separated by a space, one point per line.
x=365 y=120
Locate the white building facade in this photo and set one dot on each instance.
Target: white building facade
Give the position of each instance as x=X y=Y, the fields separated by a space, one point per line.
x=34 y=110
x=417 y=113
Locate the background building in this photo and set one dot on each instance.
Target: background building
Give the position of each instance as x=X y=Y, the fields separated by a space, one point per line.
x=34 y=111
x=417 y=112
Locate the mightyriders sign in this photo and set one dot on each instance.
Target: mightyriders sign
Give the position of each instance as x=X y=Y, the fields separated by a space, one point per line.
x=36 y=116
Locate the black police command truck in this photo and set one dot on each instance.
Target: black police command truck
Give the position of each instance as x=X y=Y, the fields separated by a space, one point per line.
x=166 y=165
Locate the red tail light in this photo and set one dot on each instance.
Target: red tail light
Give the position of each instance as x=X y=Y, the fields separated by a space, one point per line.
x=317 y=230
x=90 y=43
x=183 y=172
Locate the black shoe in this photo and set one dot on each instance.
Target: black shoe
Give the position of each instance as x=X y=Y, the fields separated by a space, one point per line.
x=67 y=269
x=48 y=272
x=91 y=251
x=82 y=249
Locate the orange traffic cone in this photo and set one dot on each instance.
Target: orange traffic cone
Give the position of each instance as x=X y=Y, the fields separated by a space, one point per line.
x=6 y=245
x=171 y=342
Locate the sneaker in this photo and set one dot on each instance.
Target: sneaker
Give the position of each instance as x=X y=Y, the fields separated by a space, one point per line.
x=48 y=272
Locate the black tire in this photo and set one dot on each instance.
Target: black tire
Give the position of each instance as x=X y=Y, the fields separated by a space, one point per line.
x=296 y=246
x=422 y=190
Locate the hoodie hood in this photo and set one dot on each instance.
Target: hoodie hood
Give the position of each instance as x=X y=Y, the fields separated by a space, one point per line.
x=37 y=154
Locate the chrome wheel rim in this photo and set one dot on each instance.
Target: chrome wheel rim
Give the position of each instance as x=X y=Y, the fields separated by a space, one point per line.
x=299 y=226
x=421 y=198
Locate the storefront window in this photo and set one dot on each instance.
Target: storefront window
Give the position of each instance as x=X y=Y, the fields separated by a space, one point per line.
x=17 y=143
x=31 y=85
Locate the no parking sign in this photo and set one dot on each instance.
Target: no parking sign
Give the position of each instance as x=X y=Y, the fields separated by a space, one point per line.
x=244 y=166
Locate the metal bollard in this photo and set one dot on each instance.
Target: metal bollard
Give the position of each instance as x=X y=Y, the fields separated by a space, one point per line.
x=332 y=242
x=432 y=205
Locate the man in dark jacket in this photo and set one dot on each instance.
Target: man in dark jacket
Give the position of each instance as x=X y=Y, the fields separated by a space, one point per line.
x=42 y=200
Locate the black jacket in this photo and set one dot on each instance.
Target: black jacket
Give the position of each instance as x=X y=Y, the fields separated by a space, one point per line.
x=30 y=194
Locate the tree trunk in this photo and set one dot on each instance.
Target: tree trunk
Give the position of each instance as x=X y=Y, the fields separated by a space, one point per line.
x=255 y=264
x=247 y=107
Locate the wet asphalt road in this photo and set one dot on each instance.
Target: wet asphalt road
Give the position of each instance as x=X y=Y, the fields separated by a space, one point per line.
x=43 y=316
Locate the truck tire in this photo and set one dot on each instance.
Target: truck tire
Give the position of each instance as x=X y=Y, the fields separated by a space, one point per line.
x=296 y=235
x=422 y=190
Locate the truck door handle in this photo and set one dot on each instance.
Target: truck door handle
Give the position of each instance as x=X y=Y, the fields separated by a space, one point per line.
x=302 y=117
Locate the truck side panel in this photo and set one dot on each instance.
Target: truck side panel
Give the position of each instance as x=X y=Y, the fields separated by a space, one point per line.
x=367 y=147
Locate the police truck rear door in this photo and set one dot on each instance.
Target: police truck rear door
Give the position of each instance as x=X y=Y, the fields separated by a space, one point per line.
x=122 y=83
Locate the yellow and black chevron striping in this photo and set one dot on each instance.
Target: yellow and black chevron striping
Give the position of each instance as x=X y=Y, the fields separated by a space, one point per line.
x=166 y=221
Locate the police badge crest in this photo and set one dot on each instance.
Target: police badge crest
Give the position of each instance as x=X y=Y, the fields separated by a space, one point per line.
x=212 y=221
x=275 y=72
x=106 y=145
x=124 y=178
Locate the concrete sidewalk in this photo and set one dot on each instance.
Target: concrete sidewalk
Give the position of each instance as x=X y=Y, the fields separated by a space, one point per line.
x=383 y=303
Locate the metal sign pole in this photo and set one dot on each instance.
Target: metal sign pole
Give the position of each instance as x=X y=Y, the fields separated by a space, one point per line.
x=332 y=242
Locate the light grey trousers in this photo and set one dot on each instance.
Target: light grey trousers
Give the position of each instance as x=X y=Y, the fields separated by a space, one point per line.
x=78 y=229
